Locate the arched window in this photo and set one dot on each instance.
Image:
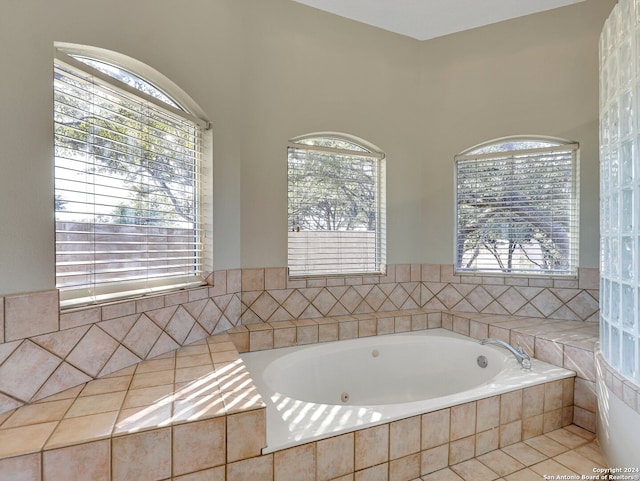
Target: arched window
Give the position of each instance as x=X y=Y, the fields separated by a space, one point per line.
x=127 y=180
x=336 y=206
x=517 y=207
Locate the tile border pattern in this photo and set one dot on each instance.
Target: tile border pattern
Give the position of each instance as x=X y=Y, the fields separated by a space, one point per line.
x=415 y=446
x=44 y=351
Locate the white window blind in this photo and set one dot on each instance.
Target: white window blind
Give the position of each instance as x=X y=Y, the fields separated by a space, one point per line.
x=126 y=187
x=336 y=205
x=517 y=208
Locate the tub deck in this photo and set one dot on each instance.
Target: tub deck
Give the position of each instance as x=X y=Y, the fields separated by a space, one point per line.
x=151 y=421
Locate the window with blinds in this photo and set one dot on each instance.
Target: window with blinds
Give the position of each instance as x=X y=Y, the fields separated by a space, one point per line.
x=127 y=180
x=336 y=206
x=517 y=207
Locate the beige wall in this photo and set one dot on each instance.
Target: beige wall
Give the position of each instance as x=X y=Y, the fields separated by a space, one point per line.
x=267 y=71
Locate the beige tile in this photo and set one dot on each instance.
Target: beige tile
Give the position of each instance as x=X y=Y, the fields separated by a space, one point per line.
x=549 y=351
x=275 y=278
x=142 y=336
x=106 y=385
x=295 y=464
x=488 y=413
x=532 y=426
x=567 y=438
x=148 y=396
x=463 y=420
x=78 y=463
x=246 y=435
x=150 y=379
x=551 y=420
x=568 y=391
x=510 y=433
x=93 y=351
x=500 y=462
x=552 y=395
x=98 y=403
x=142 y=456
x=585 y=395
x=142 y=418
x=577 y=462
x=254 y=469
x=462 y=450
x=307 y=334
x=435 y=428
x=198 y=445
x=524 y=475
x=38 y=413
x=252 y=279
x=213 y=474
x=474 y=470
x=510 y=407
x=405 y=469
x=82 y=429
x=24 y=440
x=546 y=445
x=195 y=360
x=555 y=468
x=348 y=330
x=328 y=332
x=30 y=314
x=524 y=453
x=199 y=407
x=367 y=327
x=592 y=451
x=335 y=457
x=487 y=441
x=193 y=373
x=404 y=437
x=375 y=473
x=386 y=325
x=21 y=468
x=371 y=446
x=284 y=337
x=26 y=370
x=61 y=342
x=581 y=361
x=442 y=475
x=434 y=459
x=532 y=400
x=584 y=433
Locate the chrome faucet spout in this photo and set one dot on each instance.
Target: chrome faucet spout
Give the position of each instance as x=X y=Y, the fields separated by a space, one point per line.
x=522 y=357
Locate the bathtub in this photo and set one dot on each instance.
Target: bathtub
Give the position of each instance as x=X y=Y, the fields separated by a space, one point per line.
x=320 y=390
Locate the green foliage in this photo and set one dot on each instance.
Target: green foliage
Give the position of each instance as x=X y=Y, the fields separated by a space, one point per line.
x=516 y=207
x=332 y=190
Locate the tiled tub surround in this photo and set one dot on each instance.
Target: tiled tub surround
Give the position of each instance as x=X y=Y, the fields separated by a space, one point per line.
x=44 y=351
x=193 y=414
x=387 y=378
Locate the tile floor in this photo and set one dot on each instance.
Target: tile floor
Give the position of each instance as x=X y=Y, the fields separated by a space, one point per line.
x=569 y=451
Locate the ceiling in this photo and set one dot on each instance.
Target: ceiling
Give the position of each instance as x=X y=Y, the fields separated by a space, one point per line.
x=425 y=19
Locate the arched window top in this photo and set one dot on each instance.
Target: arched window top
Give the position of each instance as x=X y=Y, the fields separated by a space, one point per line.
x=128 y=78
x=338 y=142
x=516 y=143
x=132 y=74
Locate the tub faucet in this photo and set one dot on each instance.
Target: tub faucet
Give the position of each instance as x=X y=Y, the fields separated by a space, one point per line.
x=522 y=357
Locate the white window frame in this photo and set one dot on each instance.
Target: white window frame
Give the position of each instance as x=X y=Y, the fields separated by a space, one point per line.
x=92 y=291
x=539 y=230
x=321 y=252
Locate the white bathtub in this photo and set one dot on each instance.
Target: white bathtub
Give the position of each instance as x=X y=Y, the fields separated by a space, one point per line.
x=322 y=390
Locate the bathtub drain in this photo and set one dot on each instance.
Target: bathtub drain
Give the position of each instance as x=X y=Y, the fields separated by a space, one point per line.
x=482 y=361
x=344 y=396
